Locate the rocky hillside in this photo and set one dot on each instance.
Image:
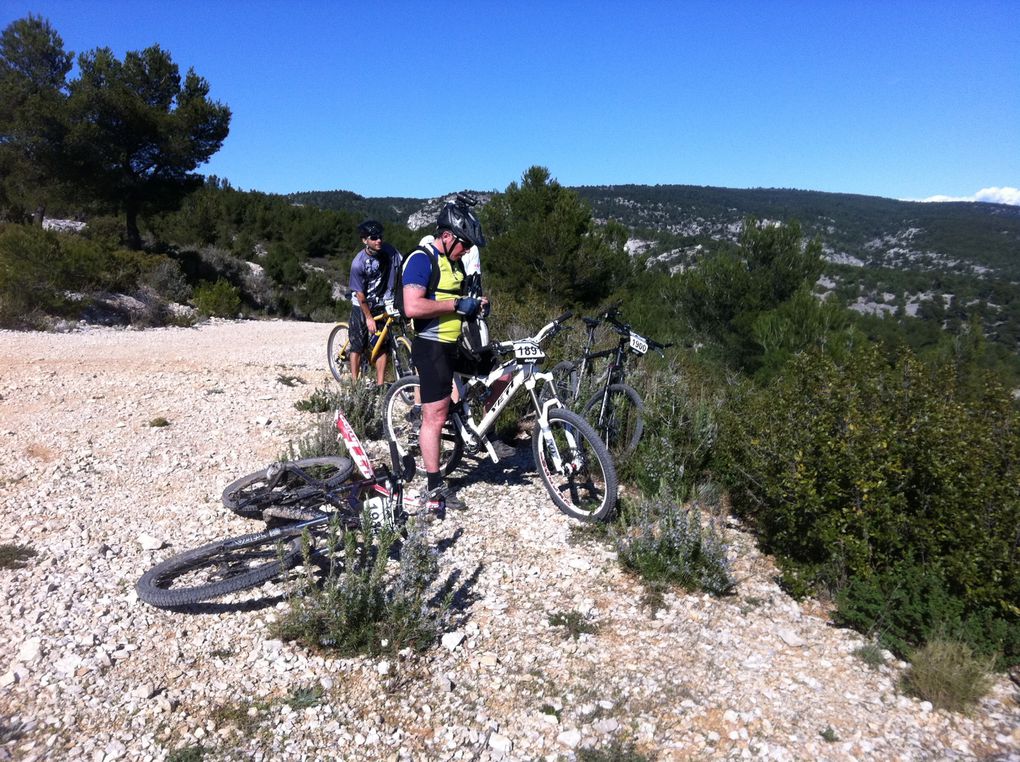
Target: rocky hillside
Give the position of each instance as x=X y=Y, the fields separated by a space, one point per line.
x=964 y=238
x=101 y=494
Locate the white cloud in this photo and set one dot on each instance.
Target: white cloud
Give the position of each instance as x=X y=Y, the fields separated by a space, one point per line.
x=989 y=195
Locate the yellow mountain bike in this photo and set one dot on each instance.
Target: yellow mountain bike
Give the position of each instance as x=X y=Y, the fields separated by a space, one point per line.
x=392 y=338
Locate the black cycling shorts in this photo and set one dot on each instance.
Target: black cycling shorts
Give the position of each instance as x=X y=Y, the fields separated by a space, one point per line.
x=357 y=329
x=435 y=362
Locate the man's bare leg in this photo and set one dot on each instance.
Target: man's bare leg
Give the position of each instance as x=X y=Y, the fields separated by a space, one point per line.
x=433 y=418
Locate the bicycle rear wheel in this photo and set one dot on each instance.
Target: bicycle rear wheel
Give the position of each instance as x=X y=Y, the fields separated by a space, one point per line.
x=338 y=351
x=621 y=423
x=565 y=381
x=219 y=568
x=403 y=365
x=250 y=495
x=584 y=486
x=401 y=413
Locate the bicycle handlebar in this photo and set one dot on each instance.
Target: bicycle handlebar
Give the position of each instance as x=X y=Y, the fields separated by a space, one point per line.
x=547 y=331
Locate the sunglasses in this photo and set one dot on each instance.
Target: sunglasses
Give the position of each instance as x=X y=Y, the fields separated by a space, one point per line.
x=375 y=238
x=466 y=244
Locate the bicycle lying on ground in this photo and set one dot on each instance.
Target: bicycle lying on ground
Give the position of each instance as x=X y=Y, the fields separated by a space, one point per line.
x=616 y=410
x=391 y=338
x=572 y=461
x=303 y=496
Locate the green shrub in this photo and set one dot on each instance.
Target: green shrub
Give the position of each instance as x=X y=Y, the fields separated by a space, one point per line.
x=166 y=278
x=360 y=402
x=946 y=673
x=321 y=401
x=30 y=266
x=362 y=607
x=574 y=624
x=911 y=604
x=218 y=299
x=665 y=545
x=681 y=410
x=38 y=268
x=871 y=654
x=615 y=751
x=867 y=467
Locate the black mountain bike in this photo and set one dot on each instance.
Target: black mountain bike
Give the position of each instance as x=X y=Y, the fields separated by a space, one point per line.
x=615 y=410
x=308 y=497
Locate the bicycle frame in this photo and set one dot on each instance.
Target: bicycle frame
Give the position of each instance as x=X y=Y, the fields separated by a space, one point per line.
x=526 y=374
x=614 y=373
x=387 y=493
x=380 y=347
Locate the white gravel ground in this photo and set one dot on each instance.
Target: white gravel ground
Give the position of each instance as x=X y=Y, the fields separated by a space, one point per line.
x=88 y=672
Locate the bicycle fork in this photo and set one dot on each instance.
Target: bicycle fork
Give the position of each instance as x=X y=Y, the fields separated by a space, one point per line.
x=568 y=468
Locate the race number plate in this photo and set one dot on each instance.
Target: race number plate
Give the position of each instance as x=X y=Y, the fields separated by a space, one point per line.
x=638 y=345
x=528 y=351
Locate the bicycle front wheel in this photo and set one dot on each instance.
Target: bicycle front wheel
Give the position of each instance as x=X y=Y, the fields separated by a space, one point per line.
x=338 y=351
x=620 y=422
x=250 y=495
x=219 y=568
x=584 y=484
x=401 y=413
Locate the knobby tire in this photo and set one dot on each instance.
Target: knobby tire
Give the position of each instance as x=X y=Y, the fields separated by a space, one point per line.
x=586 y=488
x=623 y=423
x=338 y=349
x=403 y=429
x=219 y=568
x=250 y=495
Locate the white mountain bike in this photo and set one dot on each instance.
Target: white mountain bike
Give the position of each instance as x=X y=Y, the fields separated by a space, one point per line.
x=572 y=461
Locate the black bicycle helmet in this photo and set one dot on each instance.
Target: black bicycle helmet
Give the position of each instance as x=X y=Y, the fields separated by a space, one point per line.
x=369 y=228
x=461 y=221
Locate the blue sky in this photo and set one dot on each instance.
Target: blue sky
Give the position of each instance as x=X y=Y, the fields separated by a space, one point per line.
x=881 y=97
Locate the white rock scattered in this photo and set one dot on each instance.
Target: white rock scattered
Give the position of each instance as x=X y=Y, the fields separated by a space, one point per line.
x=500 y=743
x=569 y=738
x=148 y=542
x=791 y=638
x=30 y=650
x=452 y=640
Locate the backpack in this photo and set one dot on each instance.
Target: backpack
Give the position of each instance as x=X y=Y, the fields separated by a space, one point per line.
x=398 y=279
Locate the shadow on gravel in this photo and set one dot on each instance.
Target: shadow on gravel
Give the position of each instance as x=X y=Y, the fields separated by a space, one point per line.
x=461 y=595
x=509 y=471
x=229 y=607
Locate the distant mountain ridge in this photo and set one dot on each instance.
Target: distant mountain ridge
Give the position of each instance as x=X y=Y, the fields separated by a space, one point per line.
x=969 y=238
x=674 y=224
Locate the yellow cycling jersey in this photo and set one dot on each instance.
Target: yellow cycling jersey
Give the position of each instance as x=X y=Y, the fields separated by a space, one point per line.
x=417 y=269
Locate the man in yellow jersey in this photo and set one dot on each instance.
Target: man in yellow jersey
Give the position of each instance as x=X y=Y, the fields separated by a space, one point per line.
x=437 y=312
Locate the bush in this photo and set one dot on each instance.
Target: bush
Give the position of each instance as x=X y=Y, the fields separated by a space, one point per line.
x=38 y=268
x=15 y=556
x=667 y=545
x=681 y=411
x=166 y=278
x=218 y=299
x=869 y=467
x=946 y=673
x=29 y=266
x=360 y=402
x=362 y=607
x=912 y=604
